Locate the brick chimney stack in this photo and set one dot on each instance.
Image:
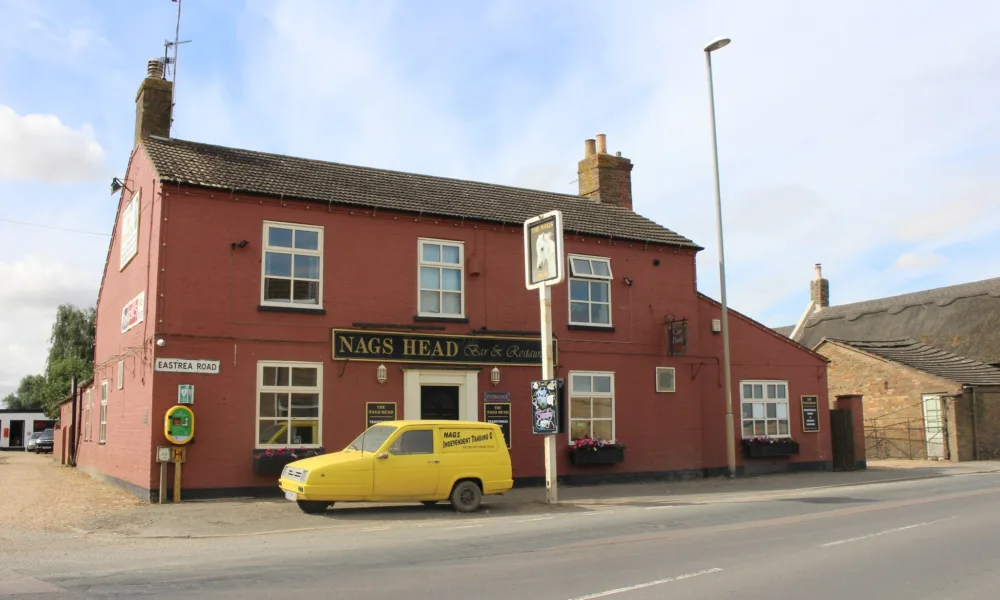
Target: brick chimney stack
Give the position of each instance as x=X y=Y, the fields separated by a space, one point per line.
x=153 y=102
x=819 y=288
x=603 y=177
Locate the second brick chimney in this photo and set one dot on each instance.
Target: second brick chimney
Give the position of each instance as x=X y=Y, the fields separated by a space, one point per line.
x=819 y=289
x=603 y=177
x=153 y=102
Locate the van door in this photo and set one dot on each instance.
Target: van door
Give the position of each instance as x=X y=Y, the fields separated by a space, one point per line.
x=410 y=467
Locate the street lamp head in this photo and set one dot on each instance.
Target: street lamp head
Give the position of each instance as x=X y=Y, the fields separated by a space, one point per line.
x=717 y=43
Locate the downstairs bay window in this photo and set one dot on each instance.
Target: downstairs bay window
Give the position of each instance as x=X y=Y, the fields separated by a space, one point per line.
x=289 y=404
x=591 y=405
x=765 y=408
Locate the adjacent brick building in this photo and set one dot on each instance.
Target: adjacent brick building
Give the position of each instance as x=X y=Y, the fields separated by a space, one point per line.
x=926 y=363
x=919 y=401
x=301 y=299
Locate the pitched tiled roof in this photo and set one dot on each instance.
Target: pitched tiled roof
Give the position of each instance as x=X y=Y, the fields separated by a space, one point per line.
x=961 y=318
x=931 y=360
x=179 y=161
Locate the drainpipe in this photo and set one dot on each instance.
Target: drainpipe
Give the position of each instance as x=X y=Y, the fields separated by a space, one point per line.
x=71 y=456
x=975 y=427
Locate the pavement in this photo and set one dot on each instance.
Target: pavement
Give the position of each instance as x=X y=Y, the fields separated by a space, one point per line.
x=920 y=538
x=253 y=517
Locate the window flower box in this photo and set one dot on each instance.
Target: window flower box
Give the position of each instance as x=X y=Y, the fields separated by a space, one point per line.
x=768 y=447
x=588 y=451
x=272 y=461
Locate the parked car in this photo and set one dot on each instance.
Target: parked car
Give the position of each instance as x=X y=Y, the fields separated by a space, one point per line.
x=45 y=441
x=405 y=461
x=32 y=439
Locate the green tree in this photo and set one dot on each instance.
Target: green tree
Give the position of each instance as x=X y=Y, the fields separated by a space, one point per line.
x=72 y=333
x=30 y=394
x=70 y=354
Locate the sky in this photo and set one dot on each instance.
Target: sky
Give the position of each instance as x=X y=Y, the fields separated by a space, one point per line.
x=861 y=135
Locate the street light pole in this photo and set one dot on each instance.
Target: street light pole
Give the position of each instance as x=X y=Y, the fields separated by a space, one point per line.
x=727 y=377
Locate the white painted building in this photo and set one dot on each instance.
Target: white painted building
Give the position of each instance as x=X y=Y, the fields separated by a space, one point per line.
x=16 y=426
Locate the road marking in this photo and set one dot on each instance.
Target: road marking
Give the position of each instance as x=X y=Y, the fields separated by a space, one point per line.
x=871 y=535
x=647 y=584
x=659 y=507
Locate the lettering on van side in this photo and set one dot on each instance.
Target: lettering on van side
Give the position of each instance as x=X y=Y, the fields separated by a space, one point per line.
x=454 y=439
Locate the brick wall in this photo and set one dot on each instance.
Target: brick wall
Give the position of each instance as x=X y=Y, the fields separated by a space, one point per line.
x=757 y=353
x=893 y=409
x=979 y=438
x=203 y=296
x=129 y=421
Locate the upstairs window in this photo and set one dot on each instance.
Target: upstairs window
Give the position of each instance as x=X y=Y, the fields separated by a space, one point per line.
x=589 y=290
x=292 y=265
x=442 y=277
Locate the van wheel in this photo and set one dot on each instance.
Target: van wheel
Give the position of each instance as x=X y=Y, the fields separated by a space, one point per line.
x=466 y=497
x=312 y=507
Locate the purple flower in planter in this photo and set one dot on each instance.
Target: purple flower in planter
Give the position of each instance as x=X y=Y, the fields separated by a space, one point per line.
x=764 y=439
x=593 y=444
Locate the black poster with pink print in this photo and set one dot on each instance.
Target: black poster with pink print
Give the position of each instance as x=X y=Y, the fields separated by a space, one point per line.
x=547 y=409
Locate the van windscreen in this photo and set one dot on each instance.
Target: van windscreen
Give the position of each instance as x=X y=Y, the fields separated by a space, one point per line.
x=372 y=439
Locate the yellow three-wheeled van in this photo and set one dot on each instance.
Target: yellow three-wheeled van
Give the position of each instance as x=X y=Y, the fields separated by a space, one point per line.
x=406 y=461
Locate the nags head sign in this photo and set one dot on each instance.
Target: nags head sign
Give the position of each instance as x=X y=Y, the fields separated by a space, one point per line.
x=385 y=346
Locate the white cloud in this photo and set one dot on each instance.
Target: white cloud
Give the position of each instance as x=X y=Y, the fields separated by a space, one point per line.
x=41 y=147
x=857 y=137
x=32 y=290
x=917 y=261
x=837 y=139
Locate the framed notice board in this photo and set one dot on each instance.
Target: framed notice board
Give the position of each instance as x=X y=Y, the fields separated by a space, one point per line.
x=810 y=414
x=377 y=412
x=499 y=413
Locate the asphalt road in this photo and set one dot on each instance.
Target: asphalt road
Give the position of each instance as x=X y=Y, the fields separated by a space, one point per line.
x=937 y=538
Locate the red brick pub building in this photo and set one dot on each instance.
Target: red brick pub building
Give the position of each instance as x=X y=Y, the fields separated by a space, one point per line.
x=303 y=300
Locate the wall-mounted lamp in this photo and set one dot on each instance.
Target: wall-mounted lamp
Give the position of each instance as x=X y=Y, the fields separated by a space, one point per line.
x=628 y=281
x=117 y=184
x=239 y=244
x=495 y=376
x=381 y=374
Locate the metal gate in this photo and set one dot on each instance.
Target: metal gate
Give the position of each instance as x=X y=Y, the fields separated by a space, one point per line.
x=891 y=437
x=842 y=434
